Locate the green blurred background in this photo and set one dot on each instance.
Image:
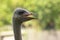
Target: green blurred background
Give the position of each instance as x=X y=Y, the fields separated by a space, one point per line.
x=42 y=9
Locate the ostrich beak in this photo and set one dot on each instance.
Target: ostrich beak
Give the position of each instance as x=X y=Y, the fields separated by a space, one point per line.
x=29 y=15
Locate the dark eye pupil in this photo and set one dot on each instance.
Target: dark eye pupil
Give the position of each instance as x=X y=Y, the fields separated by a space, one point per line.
x=20 y=13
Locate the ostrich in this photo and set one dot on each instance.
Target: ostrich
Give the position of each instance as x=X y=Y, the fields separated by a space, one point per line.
x=20 y=15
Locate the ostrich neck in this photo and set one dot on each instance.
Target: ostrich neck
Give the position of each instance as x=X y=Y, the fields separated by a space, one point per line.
x=17 y=29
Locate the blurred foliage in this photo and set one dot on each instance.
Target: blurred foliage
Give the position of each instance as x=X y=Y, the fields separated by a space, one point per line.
x=42 y=9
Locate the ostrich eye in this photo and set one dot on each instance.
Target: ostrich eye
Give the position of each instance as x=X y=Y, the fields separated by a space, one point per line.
x=20 y=13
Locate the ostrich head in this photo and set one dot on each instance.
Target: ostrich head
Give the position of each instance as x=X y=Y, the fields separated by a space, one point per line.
x=22 y=15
